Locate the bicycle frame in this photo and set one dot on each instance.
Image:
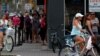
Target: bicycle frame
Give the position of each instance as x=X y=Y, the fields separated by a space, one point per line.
x=8 y=39
x=88 y=43
x=53 y=35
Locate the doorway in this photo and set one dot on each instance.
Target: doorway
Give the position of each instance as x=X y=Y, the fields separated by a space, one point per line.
x=71 y=8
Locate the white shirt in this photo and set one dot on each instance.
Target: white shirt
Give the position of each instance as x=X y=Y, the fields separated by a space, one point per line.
x=1 y=22
x=95 y=28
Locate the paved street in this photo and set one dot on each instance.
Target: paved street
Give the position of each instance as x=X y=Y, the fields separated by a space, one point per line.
x=30 y=50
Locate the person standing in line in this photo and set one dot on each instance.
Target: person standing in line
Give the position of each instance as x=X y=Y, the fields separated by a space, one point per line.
x=43 y=28
x=16 y=23
x=36 y=26
x=28 y=27
x=21 y=27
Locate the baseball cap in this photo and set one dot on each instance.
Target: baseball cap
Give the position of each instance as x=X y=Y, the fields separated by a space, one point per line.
x=79 y=15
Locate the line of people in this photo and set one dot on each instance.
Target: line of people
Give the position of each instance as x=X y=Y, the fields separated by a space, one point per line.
x=28 y=28
x=35 y=26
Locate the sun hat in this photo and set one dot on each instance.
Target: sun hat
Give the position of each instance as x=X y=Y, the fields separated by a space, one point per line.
x=79 y=15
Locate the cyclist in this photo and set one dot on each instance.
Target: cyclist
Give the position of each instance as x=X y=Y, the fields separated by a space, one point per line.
x=5 y=23
x=2 y=29
x=76 y=30
x=88 y=25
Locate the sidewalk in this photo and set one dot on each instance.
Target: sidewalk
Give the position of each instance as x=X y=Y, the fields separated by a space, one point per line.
x=30 y=50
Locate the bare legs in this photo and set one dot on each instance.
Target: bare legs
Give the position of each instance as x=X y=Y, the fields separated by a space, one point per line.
x=1 y=39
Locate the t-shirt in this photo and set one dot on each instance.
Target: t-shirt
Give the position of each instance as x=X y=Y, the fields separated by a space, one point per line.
x=42 y=22
x=28 y=22
x=1 y=24
x=36 y=23
x=95 y=28
x=16 y=21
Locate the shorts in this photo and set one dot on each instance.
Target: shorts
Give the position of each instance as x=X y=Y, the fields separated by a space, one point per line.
x=1 y=30
x=73 y=36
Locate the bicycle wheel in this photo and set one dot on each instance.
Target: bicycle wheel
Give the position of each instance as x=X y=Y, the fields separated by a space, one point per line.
x=9 y=45
x=65 y=52
x=68 y=51
x=53 y=47
x=92 y=52
x=53 y=43
x=61 y=47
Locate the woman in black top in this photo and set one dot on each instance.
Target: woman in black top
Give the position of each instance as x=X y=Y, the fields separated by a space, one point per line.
x=88 y=24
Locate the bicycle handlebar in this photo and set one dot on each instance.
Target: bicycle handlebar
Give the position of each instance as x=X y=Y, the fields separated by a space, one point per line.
x=84 y=31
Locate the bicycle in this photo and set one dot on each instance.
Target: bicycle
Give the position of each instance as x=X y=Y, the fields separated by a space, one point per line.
x=67 y=50
x=8 y=42
x=86 y=50
x=55 y=40
x=88 y=46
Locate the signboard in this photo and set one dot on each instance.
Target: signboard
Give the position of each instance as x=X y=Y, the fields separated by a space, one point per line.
x=94 y=5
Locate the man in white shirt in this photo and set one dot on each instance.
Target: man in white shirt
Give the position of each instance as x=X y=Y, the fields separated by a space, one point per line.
x=95 y=24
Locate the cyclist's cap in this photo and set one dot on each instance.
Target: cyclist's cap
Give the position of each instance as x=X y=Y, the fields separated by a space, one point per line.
x=79 y=15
